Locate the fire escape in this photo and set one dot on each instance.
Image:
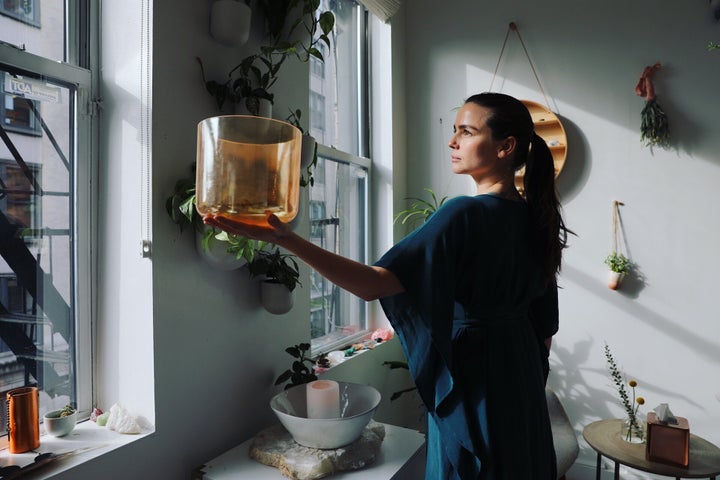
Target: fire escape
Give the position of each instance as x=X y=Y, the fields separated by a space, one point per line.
x=23 y=329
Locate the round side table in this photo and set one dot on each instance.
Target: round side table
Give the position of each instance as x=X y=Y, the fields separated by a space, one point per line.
x=604 y=437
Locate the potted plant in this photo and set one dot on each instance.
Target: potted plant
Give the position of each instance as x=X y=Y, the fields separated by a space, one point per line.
x=618 y=263
x=280 y=275
x=219 y=249
x=59 y=423
x=308 y=158
x=619 y=267
x=299 y=373
x=420 y=209
x=249 y=82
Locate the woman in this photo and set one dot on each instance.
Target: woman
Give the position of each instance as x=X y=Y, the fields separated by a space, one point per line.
x=473 y=298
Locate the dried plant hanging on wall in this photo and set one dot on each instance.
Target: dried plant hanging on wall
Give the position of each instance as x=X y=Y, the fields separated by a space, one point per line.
x=654 y=127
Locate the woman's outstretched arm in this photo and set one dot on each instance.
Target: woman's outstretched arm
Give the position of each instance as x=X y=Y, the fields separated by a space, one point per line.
x=365 y=281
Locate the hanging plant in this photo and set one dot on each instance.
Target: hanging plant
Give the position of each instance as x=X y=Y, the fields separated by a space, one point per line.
x=618 y=263
x=654 y=127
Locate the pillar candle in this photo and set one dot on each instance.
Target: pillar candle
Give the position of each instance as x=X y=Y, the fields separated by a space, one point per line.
x=323 y=399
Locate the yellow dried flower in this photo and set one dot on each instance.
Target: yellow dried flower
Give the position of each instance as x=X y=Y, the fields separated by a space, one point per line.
x=640 y=400
x=632 y=383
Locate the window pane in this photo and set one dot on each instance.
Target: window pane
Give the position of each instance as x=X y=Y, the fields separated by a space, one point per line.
x=338 y=212
x=334 y=97
x=23 y=24
x=37 y=318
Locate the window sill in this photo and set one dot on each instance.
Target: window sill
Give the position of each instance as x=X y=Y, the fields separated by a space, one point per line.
x=86 y=442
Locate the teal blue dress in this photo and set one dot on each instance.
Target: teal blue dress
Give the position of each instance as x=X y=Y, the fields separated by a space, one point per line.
x=471 y=322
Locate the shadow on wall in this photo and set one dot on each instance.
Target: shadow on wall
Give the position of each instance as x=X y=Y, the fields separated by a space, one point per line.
x=576 y=171
x=701 y=345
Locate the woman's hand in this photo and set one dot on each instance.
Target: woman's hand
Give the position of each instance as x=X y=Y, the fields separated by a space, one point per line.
x=274 y=233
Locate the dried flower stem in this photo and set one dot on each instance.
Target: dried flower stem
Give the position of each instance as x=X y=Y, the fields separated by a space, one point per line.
x=624 y=397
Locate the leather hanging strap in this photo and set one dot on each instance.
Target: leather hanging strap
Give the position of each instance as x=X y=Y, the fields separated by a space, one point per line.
x=513 y=27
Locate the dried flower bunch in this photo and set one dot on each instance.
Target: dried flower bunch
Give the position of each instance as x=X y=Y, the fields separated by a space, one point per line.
x=654 y=126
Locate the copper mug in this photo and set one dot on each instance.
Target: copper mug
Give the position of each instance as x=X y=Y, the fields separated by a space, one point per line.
x=23 y=419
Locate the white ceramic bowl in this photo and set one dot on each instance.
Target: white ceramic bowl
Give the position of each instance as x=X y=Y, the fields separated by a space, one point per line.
x=357 y=407
x=58 y=426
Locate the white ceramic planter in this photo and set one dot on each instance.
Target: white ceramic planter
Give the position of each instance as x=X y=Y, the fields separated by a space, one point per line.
x=58 y=426
x=615 y=279
x=275 y=297
x=216 y=255
x=230 y=22
x=309 y=144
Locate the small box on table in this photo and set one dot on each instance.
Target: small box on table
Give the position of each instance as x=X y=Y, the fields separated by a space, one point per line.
x=667 y=442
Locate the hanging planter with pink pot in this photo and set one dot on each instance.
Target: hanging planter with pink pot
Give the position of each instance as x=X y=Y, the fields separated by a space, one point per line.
x=617 y=263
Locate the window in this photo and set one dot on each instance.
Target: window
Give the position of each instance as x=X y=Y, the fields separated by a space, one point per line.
x=27 y=11
x=339 y=194
x=17 y=112
x=45 y=213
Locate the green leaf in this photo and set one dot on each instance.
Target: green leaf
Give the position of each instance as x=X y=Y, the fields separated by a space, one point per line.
x=327 y=22
x=285 y=376
x=316 y=53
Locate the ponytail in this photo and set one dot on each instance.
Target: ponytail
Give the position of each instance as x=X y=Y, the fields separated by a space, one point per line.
x=549 y=234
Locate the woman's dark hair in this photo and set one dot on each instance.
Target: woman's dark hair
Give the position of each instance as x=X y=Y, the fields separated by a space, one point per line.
x=510 y=118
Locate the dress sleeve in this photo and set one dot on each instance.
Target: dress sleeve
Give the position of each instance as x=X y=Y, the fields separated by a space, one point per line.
x=426 y=263
x=544 y=312
x=544 y=317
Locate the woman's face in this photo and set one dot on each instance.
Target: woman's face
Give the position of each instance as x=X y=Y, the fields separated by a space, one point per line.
x=474 y=152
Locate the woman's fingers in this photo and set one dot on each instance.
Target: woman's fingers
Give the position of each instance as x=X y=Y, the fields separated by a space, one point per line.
x=229 y=225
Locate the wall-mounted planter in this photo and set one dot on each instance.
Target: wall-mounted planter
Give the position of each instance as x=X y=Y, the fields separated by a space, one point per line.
x=275 y=297
x=309 y=147
x=216 y=254
x=230 y=22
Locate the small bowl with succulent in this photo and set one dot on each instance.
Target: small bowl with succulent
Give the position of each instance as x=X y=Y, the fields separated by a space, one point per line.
x=59 y=423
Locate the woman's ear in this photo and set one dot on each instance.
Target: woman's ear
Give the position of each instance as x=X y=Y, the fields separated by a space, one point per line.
x=507 y=147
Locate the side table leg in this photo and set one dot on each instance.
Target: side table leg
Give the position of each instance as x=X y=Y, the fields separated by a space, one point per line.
x=617 y=471
x=597 y=466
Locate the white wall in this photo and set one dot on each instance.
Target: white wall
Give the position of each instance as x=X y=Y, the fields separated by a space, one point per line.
x=662 y=328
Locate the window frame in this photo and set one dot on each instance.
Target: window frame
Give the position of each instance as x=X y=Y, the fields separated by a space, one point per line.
x=84 y=81
x=345 y=158
x=363 y=147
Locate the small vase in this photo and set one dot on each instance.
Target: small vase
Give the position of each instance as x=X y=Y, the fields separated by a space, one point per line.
x=633 y=433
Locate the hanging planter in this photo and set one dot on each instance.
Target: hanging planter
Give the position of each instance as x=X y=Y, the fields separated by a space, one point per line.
x=214 y=251
x=280 y=275
x=230 y=22
x=618 y=264
x=275 y=297
x=654 y=126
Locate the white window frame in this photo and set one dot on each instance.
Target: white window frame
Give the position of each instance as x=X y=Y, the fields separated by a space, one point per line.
x=362 y=104
x=83 y=180
x=365 y=163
